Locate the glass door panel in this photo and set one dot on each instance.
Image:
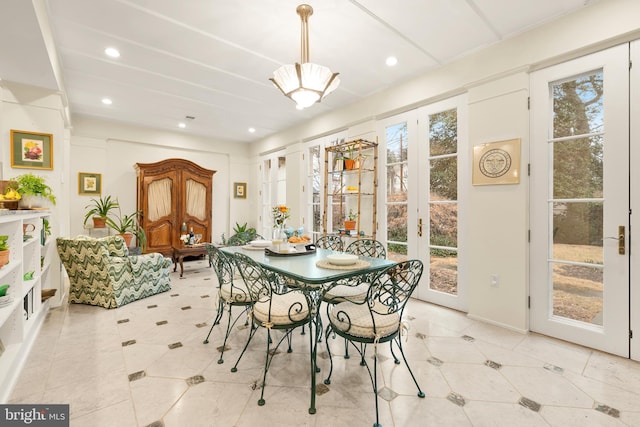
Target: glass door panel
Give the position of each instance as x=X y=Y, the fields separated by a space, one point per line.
x=579 y=199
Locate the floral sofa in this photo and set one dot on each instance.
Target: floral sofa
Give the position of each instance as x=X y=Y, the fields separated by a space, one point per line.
x=101 y=271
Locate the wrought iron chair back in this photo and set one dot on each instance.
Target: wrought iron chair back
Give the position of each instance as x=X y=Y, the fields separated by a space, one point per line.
x=273 y=306
x=231 y=292
x=331 y=242
x=367 y=247
x=377 y=318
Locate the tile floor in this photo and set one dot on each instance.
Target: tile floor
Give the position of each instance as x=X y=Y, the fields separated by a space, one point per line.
x=145 y=364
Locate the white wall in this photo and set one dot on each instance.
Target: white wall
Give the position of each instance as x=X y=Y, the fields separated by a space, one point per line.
x=112 y=149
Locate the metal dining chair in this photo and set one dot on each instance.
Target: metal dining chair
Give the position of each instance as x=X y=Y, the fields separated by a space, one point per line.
x=357 y=288
x=377 y=319
x=330 y=241
x=274 y=306
x=232 y=292
x=367 y=247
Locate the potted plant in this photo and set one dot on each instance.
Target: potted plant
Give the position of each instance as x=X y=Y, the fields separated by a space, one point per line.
x=349 y=159
x=4 y=250
x=350 y=221
x=45 y=232
x=127 y=226
x=99 y=210
x=33 y=186
x=352 y=159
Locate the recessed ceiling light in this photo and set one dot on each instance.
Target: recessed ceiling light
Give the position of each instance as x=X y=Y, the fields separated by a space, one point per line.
x=182 y=125
x=391 y=61
x=112 y=52
x=252 y=130
x=107 y=101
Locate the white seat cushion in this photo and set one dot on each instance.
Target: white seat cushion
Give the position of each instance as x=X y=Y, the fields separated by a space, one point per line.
x=347 y=293
x=237 y=293
x=285 y=309
x=356 y=320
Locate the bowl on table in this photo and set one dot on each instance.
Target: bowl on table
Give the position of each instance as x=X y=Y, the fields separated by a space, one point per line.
x=342 y=259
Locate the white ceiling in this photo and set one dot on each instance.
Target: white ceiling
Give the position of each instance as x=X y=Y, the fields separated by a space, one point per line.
x=211 y=59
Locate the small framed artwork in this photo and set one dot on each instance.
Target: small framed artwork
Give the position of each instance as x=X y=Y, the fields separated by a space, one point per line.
x=89 y=183
x=31 y=150
x=240 y=190
x=497 y=163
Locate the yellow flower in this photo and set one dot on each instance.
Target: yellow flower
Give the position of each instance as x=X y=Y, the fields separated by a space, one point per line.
x=280 y=214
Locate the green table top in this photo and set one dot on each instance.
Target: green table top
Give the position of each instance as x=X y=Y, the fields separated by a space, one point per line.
x=302 y=268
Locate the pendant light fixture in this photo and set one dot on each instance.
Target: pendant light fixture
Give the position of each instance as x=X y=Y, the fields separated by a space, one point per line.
x=305 y=83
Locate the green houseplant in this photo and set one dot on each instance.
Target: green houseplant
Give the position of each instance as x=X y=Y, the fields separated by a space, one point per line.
x=99 y=210
x=4 y=250
x=350 y=220
x=34 y=186
x=127 y=226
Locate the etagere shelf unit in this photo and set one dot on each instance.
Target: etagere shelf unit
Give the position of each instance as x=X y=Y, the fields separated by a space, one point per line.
x=350 y=188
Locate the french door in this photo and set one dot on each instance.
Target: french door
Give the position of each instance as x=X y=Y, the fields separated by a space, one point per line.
x=581 y=195
x=424 y=178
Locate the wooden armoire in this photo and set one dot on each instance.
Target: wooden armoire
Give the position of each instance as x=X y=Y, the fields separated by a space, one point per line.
x=171 y=193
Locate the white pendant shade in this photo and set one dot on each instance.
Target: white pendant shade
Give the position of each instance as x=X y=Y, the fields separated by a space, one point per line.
x=305 y=83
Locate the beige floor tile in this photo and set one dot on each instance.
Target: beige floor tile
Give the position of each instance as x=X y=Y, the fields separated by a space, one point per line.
x=493 y=414
x=577 y=417
x=546 y=387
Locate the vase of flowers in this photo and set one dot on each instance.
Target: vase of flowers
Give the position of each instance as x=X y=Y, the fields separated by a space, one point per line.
x=280 y=215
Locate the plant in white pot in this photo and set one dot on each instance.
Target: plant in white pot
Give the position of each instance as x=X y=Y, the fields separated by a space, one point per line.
x=31 y=187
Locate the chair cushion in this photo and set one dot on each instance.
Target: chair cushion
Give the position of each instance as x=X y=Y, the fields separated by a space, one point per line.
x=341 y=293
x=236 y=293
x=357 y=320
x=285 y=309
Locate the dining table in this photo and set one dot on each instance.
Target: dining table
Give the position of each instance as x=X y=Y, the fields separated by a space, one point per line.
x=308 y=269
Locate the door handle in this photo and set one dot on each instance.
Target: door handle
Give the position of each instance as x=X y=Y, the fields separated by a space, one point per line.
x=420 y=227
x=621 y=239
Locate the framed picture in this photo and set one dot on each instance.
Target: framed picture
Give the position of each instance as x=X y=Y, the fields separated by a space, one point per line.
x=89 y=183
x=31 y=150
x=497 y=163
x=240 y=190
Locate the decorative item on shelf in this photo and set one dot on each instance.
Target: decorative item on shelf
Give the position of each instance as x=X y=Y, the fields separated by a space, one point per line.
x=350 y=221
x=27 y=228
x=34 y=190
x=192 y=237
x=99 y=210
x=28 y=275
x=352 y=159
x=4 y=289
x=4 y=250
x=46 y=294
x=127 y=226
x=9 y=197
x=45 y=231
